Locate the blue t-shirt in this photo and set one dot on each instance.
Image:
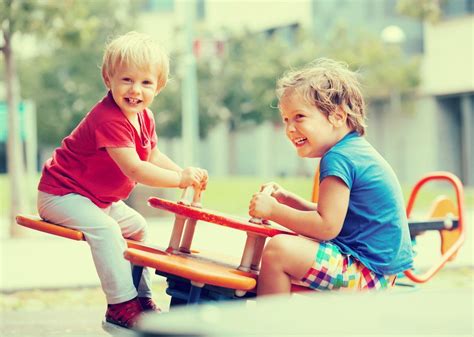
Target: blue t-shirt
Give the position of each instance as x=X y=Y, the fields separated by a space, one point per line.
x=375 y=230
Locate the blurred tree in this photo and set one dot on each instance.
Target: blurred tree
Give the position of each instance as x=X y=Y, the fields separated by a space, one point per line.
x=167 y=108
x=238 y=86
x=64 y=80
x=244 y=85
x=19 y=17
x=55 y=80
x=383 y=68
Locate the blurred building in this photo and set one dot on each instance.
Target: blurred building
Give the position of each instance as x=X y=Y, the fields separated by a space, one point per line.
x=435 y=135
x=437 y=132
x=447 y=90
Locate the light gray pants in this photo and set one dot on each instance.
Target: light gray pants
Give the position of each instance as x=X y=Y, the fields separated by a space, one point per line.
x=104 y=230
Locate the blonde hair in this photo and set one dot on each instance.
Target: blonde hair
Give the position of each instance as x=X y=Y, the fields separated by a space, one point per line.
x=137 y=49
x=328 y=85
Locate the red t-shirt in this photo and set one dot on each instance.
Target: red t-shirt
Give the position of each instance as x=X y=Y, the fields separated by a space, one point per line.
x=82 y=165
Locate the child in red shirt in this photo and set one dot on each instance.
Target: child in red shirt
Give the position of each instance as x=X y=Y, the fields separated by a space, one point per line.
x=96 y=167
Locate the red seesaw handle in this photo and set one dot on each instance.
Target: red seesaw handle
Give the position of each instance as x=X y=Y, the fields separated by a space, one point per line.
x=458 y=188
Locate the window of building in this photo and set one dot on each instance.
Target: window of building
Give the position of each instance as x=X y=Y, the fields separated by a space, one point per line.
x=200 y=10
x=454 y=8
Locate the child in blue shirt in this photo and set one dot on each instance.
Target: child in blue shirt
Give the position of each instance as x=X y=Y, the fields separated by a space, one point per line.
x=359 y=226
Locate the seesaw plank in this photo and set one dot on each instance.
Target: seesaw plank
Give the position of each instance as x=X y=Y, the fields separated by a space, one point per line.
x=217 y=218
x=200 y=271
x=36 y=223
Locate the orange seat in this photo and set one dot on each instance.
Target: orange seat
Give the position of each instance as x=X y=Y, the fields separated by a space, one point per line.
x=192 y=267
x=195 y=269
x=36 y=223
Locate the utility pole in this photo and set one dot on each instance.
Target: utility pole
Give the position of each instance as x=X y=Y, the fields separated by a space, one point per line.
x=189 y=96
x=14 y=148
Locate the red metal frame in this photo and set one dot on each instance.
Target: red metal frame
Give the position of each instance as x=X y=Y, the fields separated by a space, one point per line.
x=458 y=187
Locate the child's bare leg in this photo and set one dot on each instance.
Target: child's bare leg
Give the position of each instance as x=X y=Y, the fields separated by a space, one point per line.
x=285 y=257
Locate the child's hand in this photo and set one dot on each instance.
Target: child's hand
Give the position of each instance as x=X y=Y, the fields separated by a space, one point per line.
x=278 y=192
x=262 y=205
x=193 y=176
x=204 y=179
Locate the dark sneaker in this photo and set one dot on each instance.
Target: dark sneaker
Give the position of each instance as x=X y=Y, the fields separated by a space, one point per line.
x=148 y=304
x=125 y=314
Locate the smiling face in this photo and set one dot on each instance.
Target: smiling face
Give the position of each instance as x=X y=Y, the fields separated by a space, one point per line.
x=133 y=88
x=308 y=129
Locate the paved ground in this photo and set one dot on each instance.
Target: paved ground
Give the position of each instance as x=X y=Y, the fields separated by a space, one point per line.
x=66 y=313
x=53 y=322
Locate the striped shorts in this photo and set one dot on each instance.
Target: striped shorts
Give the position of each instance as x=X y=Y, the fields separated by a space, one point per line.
x=333 y=270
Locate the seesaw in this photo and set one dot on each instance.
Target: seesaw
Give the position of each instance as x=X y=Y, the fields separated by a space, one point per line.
x=188 y=284
x=445 y=216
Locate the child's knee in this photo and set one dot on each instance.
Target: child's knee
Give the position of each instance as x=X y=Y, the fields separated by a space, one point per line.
x=275 y=249
x=140 y=229
x=103 y=232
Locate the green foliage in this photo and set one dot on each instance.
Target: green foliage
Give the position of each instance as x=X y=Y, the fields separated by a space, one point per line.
x=236 y=87
x=64 y=81
x=425 y=10
x=383 y=68
x=31 y=16
x=239 y=86
x=167 y=108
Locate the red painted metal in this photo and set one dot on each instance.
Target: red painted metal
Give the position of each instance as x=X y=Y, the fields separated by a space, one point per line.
x=217 y=218
x=458 y=188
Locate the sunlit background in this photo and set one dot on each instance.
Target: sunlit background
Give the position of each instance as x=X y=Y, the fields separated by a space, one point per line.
x=219 y=109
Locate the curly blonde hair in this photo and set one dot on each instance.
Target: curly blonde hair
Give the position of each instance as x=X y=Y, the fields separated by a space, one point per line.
x=137 y=49
x=328 y=84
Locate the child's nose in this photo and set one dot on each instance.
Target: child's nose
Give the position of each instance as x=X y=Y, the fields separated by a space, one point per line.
x=134 y=87
x=290 y=127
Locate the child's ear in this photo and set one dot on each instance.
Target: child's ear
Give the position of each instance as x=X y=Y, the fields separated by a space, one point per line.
x=338 y=117
x=106 y=79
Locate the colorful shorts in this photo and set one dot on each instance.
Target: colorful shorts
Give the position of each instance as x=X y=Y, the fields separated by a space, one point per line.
x=333 y=270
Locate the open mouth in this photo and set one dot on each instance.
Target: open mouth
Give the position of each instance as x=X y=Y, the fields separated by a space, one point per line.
x=132 y=101
x=299 y=141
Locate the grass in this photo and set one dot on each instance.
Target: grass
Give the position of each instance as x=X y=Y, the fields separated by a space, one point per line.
x=232 y=194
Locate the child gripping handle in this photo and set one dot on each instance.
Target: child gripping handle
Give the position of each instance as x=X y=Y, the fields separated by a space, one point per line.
x=359 y=226
x=113 y=148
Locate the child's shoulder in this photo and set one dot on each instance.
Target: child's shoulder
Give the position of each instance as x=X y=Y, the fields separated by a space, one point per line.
x=351 y=144
x=105 y=110
x=147 y=113
x=354 y=151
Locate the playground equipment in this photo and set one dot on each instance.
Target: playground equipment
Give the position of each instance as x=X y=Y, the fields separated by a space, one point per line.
x=446 y=217
x=195 y=278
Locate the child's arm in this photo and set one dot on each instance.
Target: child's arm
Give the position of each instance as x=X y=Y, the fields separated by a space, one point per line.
x=160 y=159
x=325 y=223
x=290 y=199
x=149 y=174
